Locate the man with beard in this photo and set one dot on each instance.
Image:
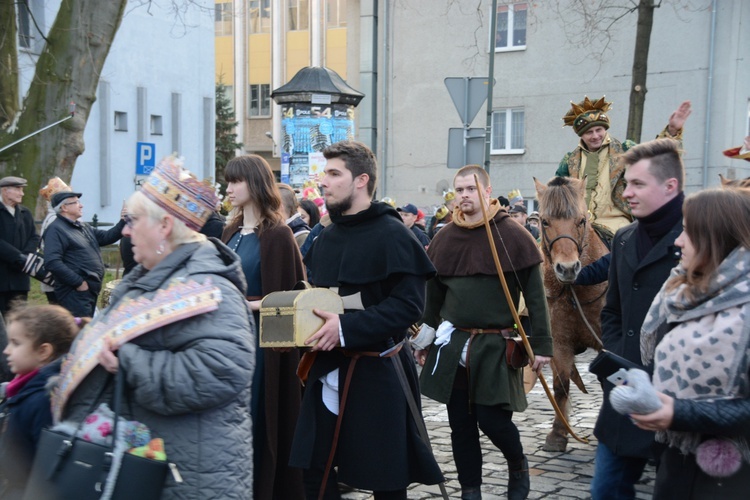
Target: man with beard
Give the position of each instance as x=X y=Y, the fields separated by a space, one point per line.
x=368 y=256
x=470 y=319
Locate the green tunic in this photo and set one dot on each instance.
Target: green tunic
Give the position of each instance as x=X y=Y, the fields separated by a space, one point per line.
x=478 y=302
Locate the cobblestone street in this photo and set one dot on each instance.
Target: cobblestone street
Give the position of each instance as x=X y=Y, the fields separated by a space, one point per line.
x=553 y=475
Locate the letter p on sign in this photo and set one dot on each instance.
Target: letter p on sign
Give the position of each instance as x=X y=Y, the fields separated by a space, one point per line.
x=145 y=158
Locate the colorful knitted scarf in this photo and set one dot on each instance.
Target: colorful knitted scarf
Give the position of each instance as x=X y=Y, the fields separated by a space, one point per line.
x=705 y=353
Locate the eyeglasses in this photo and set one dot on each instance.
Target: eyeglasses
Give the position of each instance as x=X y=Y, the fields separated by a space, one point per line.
x=71 y=203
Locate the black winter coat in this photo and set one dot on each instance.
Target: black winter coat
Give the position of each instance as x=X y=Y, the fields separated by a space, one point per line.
x=17 y=236
x=22 y=419
x=72 y=255
x=632 y=287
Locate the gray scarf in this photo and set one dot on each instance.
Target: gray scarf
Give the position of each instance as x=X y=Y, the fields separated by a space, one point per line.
x=705 y=353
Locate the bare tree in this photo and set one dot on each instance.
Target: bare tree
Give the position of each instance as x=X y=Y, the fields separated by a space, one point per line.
x=594 y=24
x=8 y=63
x=68 y=69
x=640 y=69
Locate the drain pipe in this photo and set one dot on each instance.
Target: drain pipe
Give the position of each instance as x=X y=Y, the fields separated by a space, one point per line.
x=384 y=101
x=709 y=95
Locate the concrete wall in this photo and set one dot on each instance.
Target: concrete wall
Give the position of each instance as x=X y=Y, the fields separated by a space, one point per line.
x=435 y=40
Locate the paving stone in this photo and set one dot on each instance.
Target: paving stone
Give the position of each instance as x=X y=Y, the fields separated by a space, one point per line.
x=558 y=476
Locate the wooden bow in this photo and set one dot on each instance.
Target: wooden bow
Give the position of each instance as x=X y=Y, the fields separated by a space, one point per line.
x=516 y=318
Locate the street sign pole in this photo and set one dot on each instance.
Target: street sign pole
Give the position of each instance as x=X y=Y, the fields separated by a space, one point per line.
x=466 y=125
x=468 y=95
x=490 y=78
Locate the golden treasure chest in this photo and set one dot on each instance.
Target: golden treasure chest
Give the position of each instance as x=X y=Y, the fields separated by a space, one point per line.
x=287 y=318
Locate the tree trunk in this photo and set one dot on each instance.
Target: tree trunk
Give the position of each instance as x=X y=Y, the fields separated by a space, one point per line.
x=67 y=70
x=8 y=63
x=640 y=69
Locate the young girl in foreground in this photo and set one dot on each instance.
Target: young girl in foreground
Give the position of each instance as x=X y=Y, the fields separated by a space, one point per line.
x=38 y=336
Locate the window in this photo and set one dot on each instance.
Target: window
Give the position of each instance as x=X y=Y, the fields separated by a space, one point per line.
x=511 y=27
x=259 y=15
x=156 y=128
x=25 y=32
x=260 y=100
x=121 y=121
x=336 y=13
x=223 y=19
x=299 y=19
x=507 y=131
x=229 y=94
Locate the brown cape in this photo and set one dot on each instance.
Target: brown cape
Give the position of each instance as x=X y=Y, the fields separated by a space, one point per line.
x=280 y=269
x=456 y=251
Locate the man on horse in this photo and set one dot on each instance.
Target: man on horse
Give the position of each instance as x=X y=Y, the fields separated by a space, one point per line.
x=596 y=157
x=643 y=255
x=470 y=322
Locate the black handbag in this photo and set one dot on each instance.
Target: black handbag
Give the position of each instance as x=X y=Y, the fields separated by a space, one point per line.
x=606 y=363
x=34 y=267
x=70 y=468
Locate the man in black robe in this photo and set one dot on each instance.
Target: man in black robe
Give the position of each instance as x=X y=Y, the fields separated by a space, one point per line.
x=380 y=271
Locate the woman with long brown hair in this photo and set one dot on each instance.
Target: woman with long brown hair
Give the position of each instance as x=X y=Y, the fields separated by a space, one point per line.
x=271 y=262
x=698 y=337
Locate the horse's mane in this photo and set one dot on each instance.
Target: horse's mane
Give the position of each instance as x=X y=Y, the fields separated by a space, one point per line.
x=561 y=200
x=735 y=183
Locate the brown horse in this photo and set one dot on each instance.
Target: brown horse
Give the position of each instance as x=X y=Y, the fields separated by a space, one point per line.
x=569 y=242
x=734 y=183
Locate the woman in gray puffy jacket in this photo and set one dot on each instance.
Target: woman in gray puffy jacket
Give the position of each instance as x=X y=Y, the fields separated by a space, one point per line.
x=188 y=381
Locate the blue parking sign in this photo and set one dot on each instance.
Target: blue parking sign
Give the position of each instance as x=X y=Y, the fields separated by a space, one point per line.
x=145 y=158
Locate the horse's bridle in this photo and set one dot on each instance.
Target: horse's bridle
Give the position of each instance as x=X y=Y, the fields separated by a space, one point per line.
x=549 y=244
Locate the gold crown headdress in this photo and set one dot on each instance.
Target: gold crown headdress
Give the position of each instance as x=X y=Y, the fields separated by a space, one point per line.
x=449 y=195
x=390 y=201
x=515 y=197
x=54 y=185
x=177 y=191
x=441 y=212
x=586 y=114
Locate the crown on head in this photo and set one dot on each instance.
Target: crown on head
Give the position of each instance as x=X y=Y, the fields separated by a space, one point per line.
x=586 y=114
x=441 y=213
x=54 y=185
x=389 y=201
x=449 y=195
x=177 y=191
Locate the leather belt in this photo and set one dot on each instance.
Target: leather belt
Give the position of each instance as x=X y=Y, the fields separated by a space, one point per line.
x=479 y=331
x=474 y=332
x=253 y=297
x=354 y=356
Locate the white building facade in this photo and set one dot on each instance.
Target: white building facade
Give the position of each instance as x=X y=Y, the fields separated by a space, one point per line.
x=699 y=52
x=157 y=87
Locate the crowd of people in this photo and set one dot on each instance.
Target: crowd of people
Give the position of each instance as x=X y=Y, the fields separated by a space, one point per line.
x=243 y=421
